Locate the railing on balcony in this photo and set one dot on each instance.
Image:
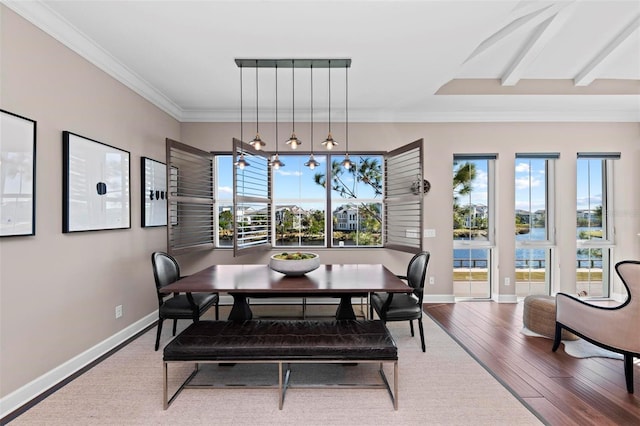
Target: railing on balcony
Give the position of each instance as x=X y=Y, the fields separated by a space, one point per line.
x=525 y=263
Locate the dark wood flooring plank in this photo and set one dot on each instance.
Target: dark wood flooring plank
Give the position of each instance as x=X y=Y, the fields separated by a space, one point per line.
x=562 y=390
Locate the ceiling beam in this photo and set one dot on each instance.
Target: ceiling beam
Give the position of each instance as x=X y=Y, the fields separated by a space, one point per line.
x=536 y=43
x=590 y=72
x=516 y=23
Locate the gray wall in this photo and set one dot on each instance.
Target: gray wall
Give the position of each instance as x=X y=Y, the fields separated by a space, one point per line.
x=58 y=291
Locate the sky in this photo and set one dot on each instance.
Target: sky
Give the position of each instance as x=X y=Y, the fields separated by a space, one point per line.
x=296 y=181
x=530 y=184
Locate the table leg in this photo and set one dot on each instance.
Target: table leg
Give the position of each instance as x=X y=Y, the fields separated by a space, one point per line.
x=345 y=310
x=240 y=310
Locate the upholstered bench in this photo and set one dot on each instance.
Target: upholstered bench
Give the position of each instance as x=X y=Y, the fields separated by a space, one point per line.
x=539 y=316
x=283 y=342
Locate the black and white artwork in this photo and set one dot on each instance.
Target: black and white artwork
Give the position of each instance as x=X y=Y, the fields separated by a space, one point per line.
x=154 y=192
x=17 y=175
x=95 y=185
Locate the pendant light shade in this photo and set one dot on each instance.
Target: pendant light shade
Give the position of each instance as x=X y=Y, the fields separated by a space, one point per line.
x=275 y=161
x=241 y=163
x=312 y=163
x=293 y=140
x=346 y=163
x=329 y=143
x=257 y=142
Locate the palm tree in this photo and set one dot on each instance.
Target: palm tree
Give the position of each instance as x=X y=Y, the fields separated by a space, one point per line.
x=463 y=178
x=369 y=171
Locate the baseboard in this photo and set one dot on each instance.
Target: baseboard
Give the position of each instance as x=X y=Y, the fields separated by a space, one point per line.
x=31 y=390
x=439 y=298
x=506 y=298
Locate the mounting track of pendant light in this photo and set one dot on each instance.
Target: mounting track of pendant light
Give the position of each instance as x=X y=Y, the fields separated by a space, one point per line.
x=293 y=141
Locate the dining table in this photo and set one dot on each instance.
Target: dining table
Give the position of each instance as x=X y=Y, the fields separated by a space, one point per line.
x=341 y=281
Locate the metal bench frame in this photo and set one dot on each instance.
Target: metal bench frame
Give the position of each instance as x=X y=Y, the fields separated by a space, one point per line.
x=283 y=377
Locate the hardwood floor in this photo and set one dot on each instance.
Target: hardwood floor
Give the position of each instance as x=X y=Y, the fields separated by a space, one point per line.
x=560 y=389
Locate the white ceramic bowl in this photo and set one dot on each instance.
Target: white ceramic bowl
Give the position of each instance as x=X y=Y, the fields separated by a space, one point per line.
x=294 y=267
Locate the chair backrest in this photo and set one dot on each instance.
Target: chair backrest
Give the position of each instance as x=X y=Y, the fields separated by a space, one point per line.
x=629 y=273
x=165 y=269
x=417 y=272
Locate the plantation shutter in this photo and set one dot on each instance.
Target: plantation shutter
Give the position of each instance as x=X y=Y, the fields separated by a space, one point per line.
x=403 y=202
x=252 y=200
x=190 y=215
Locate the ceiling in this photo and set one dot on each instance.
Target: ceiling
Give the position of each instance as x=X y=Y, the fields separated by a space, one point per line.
x=412 y=61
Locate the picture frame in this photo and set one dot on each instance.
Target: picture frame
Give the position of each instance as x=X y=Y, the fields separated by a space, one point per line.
x=153 y=192
x=96 y=185
x=17 y=175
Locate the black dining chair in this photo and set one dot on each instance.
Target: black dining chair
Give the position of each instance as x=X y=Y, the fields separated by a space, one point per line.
x=405 y=306
x=176 y=306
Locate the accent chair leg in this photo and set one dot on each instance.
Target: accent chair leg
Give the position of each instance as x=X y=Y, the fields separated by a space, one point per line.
x=628 y=371
x=217 y=312
x=159 y=332
x=557 y=337
x=421 y=334
x=411 y=326
x=175 y=326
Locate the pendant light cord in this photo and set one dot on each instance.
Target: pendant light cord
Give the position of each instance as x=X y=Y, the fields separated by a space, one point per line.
x=329 y=95
x=311 y=109
x=257 y=93
x=293 y=96
x=276 y=109
x=346 y=101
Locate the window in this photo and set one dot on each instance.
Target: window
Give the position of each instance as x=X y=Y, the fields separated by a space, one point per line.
x=224 y=200
x=534 y=177
x=356 y=200
x=594 y=223
x=307 y=210
x=472 y=224
x=299 y=203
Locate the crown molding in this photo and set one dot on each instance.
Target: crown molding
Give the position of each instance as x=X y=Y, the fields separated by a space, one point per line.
x=42 y=16
x=550 y=116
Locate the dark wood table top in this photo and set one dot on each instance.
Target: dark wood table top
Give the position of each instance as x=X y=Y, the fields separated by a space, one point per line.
x=327 y=279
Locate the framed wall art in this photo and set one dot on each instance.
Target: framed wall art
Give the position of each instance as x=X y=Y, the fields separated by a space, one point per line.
x=95 y=185
x=154 y=192
x=17 y=175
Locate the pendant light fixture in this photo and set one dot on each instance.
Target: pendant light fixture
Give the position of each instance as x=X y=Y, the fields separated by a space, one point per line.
x=257 y=143
x=275 y=162
x=329 y=143
x=293 y=140
x=241 y=163
x=346 y=163
x=312 y=163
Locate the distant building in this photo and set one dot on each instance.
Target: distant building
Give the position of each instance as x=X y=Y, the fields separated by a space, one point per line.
x=346 y=217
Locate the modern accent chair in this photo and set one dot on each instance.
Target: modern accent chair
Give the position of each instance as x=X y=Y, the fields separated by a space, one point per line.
x=613 y=328
x=405 y=307
x=177 y=306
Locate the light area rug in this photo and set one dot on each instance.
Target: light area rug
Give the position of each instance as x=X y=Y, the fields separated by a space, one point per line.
x=579 y=348
x=444 y=386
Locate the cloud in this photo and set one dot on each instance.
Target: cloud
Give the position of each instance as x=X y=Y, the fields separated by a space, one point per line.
x=522 y=167
x=225 y=189
x=288 y=173
x=525 y=183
